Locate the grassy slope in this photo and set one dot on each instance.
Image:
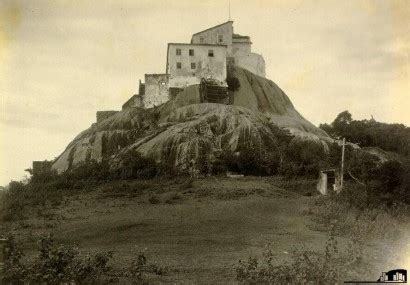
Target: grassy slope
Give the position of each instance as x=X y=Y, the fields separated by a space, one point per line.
x=198 y=232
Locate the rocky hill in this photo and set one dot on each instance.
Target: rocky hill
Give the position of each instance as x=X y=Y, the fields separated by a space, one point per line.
x=184 y=129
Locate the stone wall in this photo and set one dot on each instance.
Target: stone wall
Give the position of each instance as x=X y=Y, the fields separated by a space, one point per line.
x=135 y=101
x=197 y=65
x=102 y=115
x=156 y=90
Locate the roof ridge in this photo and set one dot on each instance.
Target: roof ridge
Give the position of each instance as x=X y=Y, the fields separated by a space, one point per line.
x=212 y=27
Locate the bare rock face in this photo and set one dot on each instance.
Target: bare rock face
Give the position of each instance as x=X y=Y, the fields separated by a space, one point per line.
x=184 y=130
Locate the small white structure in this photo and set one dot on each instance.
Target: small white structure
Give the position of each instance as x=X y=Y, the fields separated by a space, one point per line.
x=329 y=181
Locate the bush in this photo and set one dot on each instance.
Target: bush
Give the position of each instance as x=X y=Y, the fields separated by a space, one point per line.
x=53 y=265
x=247 y=161
x=90 y=171
x=390 y=175
x=139 y=267
x=303 y=158
x=306 y=267
x=134 y=165
x=13 y=202
x=20 y=195
x=384 y=182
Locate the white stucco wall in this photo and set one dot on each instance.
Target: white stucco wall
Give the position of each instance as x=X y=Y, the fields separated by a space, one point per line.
x=322 y=183
x=156 y=90
x=241 y=48
x=253 y=62
x=210 y=36
x=206 y=66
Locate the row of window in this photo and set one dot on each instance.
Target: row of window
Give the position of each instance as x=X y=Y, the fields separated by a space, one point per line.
x=192 y=52
x=193 y=65
x=220 y=39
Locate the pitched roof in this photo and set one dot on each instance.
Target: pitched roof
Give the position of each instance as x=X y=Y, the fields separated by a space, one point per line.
x=212 y=28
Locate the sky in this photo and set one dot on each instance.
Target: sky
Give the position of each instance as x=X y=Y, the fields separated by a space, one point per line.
x=61 y=61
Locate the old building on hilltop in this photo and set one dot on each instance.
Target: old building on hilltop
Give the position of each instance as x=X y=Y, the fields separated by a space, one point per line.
x=206 y=57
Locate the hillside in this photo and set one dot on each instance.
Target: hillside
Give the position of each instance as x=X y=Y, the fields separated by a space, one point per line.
x=184 y=128
x=198 y=230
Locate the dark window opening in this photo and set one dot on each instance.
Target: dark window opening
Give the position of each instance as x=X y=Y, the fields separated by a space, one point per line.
x=211 y=53
x=179 y=65
x=178 y=51
x=191 y=52
x=220 y=39
x=193 y=65
x=201 y=40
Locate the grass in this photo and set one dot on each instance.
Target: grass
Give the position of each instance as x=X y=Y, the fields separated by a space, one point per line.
x=198 y=229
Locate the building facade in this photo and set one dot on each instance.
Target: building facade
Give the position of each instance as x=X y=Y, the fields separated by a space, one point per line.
x=218 y=35
x=205 y=57
x=156 y=90
x=187 y=64
x=238 y=47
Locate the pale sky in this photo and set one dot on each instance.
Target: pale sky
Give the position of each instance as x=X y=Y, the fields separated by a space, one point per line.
x=61 y=61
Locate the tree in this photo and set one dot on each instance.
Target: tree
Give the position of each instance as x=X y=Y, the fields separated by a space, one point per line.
x=369 y=133
x=341 y=123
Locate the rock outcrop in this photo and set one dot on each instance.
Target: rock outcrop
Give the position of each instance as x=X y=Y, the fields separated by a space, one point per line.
x=184 y=129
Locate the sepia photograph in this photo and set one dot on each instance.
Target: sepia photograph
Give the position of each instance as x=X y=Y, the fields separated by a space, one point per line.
x=204 y=142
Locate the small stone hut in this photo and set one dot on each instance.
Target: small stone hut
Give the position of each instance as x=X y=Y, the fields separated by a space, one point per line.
x=329 y=181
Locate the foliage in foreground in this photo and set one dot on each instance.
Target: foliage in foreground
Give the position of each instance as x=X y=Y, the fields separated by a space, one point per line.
x=54 y=264
x=352 y=216
x=306 y=267
x=57 y=264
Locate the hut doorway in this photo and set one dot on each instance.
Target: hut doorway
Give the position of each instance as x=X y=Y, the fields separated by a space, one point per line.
x=329 y=181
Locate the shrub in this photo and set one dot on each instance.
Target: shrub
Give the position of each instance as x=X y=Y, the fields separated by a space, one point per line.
x=134 y=165
x=390 y=174
x=303 y=158
x=90 y=171
x=247 y=161
x=306 y=267
x=13 y=202
x=44 y=176
x=14 y=270
x=53 y=265
x=139 y=266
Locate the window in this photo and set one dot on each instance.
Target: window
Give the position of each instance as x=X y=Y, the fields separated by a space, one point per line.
x=193 y=65
x=211 y=53
x=220 y=39
x=179 y=65
x=201 y=40
x=178 y=51
x=191 y=52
